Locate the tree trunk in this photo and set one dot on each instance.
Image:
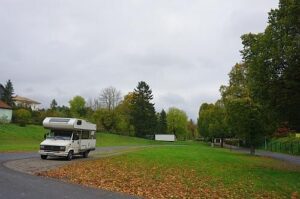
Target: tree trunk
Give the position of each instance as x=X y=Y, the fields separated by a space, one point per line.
x=252 y=149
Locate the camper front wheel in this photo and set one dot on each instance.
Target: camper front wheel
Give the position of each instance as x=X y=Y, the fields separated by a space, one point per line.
x=70 y=155
x=85 y=154
x=44 y=157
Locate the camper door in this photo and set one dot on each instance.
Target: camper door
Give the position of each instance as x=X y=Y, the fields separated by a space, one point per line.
x=85 y=140
x=76 y=141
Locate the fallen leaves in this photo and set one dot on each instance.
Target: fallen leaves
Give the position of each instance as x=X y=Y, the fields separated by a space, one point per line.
x=151 y=181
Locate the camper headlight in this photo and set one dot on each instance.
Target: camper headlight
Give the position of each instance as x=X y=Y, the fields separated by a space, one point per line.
x=62 y=148
x=42 y=147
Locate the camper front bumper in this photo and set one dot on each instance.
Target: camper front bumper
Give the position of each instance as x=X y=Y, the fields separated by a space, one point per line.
x=53 y=153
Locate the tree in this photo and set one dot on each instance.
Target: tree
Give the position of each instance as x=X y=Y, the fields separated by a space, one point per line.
x=244 y=116
x=77 y=106
x=64 y=110
x=123 y=110
x=94 y=104
x=162 y=122
x=8 y=93
x=53 y=104
x=218 y=127
x=22 y=116
x=177 y=123
x=192 y=129
x=110 y=98
x=212 y=121
x=106 y=120
x=204 y=119
x=143 y=111
x=273 y=63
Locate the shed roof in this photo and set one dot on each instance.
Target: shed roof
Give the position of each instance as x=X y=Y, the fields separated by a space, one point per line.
x=4 y=105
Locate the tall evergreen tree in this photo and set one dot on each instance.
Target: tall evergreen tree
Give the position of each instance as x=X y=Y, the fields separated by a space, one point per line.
x=143 y=111
x=8 y=93
x=163 y=125
x=53 y=105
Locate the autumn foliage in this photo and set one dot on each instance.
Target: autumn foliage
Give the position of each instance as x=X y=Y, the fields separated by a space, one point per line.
x=150 y=174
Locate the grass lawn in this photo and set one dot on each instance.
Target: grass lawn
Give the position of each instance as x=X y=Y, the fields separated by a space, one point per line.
x=107 y=139
x=16 y=138
x=192 y=171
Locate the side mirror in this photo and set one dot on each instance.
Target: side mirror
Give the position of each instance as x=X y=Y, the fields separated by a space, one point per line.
x=45 y=135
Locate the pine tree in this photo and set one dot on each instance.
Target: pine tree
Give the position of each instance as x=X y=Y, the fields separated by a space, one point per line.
x=53 y=105
x=143 y=111
x=163 y=126
x=8 y=93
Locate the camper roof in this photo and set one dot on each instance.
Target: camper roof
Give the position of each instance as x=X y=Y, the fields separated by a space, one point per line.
x=68 y=123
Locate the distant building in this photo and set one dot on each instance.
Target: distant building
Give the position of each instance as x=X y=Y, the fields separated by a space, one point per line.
x=26 y=102
x=5 y=112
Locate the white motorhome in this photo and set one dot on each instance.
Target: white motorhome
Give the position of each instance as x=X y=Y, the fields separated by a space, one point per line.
x=67 y=137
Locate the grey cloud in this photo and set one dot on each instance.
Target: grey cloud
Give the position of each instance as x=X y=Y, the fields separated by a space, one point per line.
x=183 y=50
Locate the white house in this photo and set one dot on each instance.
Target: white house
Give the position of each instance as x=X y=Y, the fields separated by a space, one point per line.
x=26 y=102
x=5 y=112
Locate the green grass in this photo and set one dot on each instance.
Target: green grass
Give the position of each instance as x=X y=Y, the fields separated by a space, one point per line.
x=107 y=139
x=16 y=138
x=241 y=174
x=190 y=171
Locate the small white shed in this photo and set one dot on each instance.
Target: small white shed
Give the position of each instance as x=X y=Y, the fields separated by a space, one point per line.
x=5 y=112
x=165 y=137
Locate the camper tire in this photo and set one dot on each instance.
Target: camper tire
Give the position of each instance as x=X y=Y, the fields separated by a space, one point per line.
x=44 y=157
x=70 y=155
x=85 y=154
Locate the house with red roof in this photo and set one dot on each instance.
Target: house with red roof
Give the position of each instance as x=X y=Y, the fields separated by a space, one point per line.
x=5 y=112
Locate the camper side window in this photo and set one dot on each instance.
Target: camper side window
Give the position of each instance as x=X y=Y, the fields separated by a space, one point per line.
x=85 y=135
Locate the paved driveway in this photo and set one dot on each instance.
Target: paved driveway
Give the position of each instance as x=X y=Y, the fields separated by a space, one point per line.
x=294 y=159
x=15 y=184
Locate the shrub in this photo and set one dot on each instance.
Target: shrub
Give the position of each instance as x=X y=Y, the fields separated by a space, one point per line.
x=22 y=116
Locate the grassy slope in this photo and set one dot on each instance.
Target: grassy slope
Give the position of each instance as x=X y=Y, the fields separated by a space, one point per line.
x=106 y=139
x=191 y=171
x=16 y=138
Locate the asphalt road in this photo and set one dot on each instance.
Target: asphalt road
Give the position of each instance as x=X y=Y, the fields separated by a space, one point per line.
x=294 y=159
x=15 y=185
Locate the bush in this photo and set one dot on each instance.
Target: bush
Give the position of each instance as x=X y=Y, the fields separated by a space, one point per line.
x=22 y=116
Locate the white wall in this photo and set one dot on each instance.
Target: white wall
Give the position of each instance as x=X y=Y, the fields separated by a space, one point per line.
x=165 y=137
x=5 y=115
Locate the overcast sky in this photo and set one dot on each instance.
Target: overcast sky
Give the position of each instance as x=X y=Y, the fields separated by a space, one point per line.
x=182 y=49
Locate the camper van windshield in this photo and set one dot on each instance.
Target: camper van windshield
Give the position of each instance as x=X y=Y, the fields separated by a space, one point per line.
x=59 y=135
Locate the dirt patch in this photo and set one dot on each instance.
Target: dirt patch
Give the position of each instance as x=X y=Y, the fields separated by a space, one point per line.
x=34 y=165
x=37 y=165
